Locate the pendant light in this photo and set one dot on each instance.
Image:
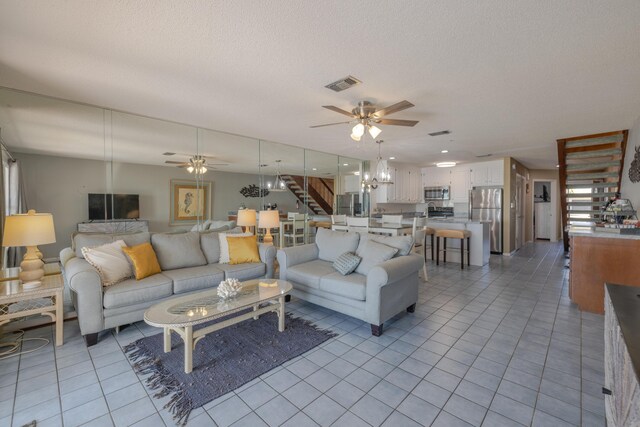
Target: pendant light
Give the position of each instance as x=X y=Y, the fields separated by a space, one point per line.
x=278 y=184
x=382 y=175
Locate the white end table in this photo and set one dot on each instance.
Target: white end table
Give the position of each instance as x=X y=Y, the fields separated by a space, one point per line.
x=47 y=299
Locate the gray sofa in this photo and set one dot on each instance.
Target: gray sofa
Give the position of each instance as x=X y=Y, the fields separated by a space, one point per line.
x=189 y=263
x=374 y=295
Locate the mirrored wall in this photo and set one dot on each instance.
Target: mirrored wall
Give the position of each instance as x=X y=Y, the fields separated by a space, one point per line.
x=96 y=169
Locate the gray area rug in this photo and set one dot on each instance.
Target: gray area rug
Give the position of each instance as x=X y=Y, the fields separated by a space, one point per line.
x=222 y=361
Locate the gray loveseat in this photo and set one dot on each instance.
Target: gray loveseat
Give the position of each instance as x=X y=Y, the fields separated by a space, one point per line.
x=189 y=263
x=375 y=295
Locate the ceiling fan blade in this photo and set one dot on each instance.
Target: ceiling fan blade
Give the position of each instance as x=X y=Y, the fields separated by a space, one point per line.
x=338 y=110
x=216 y=164
x=171 y=162
x=329 y=124
x=396 y=122
x=402 y=105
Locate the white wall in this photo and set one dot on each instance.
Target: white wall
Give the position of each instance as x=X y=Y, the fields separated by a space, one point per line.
x=60 y=185
x=631 y=190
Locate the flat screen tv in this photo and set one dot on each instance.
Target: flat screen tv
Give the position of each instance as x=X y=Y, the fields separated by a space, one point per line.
x=113 y=206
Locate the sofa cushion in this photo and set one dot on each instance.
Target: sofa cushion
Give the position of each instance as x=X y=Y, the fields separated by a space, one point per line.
x=131 y=291
x=346 y=263
x=210 y=245
x=133 y=239
x=251 y=270
x=352 y=286
x=194 y=278
x=372 y=254
x=243 y=250
x=402 y=243
x=178 y=250
x=310 y=273
x=144 y=260
x=224 y=243
x=110 y=261
x=331 y=244
x=86 y=240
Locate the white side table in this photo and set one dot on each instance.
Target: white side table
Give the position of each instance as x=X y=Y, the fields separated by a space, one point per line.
x=47 y=299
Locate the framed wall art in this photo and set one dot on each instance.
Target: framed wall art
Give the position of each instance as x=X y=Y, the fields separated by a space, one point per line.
x=190 y=201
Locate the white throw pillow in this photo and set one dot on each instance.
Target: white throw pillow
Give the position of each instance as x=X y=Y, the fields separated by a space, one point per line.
x=224 y=245
x=110 y=261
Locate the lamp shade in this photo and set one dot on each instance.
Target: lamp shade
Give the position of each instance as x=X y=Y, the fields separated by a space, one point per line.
x=269 y=219
x=30 y=229
x=246 y=218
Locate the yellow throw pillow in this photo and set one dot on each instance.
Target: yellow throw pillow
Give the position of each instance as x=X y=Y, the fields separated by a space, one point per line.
x=243 y=249
x=144 y=260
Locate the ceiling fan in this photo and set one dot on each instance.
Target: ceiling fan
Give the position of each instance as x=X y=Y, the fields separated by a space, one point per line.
x=196 y=163
x=366 y=116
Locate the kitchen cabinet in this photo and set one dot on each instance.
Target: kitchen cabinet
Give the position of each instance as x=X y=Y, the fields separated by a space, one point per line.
x=351 y=184
x=460 y=184
x=487 y=173
x=406 y=187
x=436 y=177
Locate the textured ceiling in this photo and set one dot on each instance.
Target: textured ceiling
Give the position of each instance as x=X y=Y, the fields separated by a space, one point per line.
x=506 y=77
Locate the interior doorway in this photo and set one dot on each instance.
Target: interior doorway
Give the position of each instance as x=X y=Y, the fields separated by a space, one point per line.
x=544 y=198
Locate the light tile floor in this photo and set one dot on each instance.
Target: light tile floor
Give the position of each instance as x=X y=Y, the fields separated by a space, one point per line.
x=495 y=346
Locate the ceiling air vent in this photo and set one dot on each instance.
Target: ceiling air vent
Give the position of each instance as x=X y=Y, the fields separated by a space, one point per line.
x=442 y=132
x=168 y=153
x=343 y=84
x=484 y=155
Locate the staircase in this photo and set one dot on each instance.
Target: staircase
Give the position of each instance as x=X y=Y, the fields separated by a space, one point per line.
x=590 y=170
x=318 y=196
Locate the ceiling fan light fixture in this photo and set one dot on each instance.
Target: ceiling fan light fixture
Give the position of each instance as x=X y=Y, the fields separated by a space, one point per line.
x=355 y=137
x=445 y=164
x=190 y=169
x=374 y=131
x=358 y=130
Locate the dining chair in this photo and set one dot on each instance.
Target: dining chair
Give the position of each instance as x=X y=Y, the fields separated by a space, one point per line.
x=392 y=219
x=297 y=230
x=340 y=219
x=360 y=225
x=419 y=233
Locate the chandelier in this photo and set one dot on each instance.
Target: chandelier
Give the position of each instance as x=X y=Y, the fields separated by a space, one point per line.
x=381 y=177
x=278 y=183
x=363 y=125
x=197 y=165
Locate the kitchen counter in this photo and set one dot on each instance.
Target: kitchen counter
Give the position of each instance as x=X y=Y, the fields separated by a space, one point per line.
x=479 y=241
x=599 y=257
x=598 y=233
x=456 y=220
x=626 y=304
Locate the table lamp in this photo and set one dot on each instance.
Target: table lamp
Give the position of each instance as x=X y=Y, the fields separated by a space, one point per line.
x=246 y=218
x=269 y=220
x=30 y=229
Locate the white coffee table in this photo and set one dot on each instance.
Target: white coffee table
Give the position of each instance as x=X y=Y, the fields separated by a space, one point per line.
x=182 y=313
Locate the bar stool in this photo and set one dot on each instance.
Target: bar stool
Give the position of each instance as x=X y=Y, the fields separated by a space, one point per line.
x=431 y=232
x=453 y=234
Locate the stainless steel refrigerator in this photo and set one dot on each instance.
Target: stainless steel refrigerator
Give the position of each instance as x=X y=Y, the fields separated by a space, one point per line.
x=485 y=204
x=352 y=204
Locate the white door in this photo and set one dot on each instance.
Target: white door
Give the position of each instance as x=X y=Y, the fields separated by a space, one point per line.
x=543 y=220
x=519 y=211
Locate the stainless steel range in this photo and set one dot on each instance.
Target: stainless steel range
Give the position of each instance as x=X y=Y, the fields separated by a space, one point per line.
x=439 y=212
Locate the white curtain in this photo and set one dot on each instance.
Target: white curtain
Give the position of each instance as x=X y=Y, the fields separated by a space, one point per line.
x=13 y=202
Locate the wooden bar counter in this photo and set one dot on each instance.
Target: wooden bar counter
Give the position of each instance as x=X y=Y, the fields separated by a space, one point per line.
x=598 y=257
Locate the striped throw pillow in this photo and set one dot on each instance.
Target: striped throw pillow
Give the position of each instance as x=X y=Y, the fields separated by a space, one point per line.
x=346 y=263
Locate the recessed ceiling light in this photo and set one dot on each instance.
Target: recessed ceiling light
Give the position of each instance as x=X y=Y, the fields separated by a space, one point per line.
x=314 y=169
x=557 y=166
x=357 y=173
x=345 y=164
x=445 y=164
x=444 y=151
x=392 y=158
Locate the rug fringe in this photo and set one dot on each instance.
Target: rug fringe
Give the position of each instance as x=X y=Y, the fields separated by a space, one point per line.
x=159 y=379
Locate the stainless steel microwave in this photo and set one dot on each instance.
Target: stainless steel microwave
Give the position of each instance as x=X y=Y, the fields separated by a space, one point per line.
x=436 y=193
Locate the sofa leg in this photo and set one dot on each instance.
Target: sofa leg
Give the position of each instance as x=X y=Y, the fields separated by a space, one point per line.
x=411 y=308
x=376 y=330
x=91 y=339
x=287 y=298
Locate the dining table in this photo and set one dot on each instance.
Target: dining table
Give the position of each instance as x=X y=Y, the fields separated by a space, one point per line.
x=377 y=227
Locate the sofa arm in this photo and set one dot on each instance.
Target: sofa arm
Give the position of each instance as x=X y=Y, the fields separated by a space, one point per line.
x=392 y=286
x=65 y=255
x=85 y=282
x=268 y=256
x=288 y=257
